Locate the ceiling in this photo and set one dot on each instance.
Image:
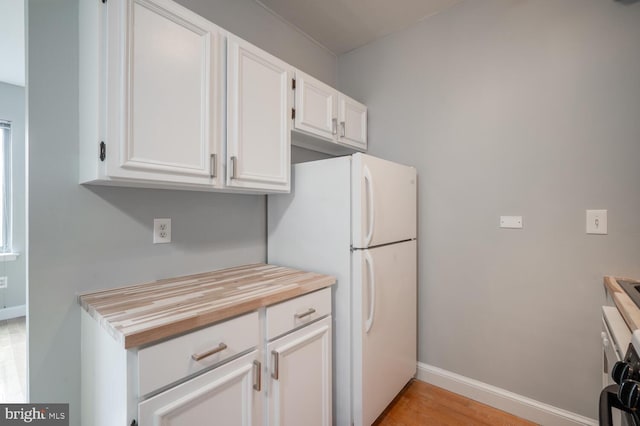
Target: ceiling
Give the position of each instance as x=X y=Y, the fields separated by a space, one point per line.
x=12 y=42
x=343 y=25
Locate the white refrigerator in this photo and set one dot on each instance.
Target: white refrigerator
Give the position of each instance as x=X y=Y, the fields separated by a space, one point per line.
x=354 y=217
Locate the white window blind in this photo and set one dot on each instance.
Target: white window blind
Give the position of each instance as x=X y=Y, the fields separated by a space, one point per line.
x=5 y=186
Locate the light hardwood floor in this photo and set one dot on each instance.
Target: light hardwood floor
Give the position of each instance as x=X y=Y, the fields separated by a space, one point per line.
x=13 y=360
x=421 y=404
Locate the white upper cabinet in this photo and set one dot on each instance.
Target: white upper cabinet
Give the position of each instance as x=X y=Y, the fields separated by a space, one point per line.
x=326 y=120
x=155 y=101
x=316 y=107
x=353 y=123
x=259 y=102
x=154 y=111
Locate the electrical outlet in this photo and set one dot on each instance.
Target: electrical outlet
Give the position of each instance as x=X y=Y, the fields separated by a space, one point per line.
x=3 y=282
x=510 y=221
x=161 y=231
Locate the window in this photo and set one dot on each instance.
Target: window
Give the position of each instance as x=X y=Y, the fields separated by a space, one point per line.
x=5 y=187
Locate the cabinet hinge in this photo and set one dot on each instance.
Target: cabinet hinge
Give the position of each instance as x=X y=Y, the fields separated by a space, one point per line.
x=103 y=151
x=134 y=423
x=293 y=83
x=293 y=113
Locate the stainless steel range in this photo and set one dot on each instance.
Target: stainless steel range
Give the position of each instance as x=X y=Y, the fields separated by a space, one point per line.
x=624 y=395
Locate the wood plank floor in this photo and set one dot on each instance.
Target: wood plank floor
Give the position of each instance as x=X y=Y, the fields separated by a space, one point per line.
x=13 y=360
x=421 y=404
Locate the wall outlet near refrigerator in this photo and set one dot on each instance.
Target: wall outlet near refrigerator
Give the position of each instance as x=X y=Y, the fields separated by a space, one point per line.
x=597 y=222
x=161 y=231
x=514 y=222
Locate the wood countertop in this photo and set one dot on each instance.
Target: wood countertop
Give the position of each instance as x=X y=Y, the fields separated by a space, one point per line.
x=630 y=312
x=147 y=313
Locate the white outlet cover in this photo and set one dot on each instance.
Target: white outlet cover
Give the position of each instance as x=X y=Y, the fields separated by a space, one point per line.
x=162 y=230
x=3 y=282
x=597 y=222
x=514 y=222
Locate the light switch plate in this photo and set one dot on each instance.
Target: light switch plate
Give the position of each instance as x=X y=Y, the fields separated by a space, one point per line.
x=511 y=222
x=596 y=222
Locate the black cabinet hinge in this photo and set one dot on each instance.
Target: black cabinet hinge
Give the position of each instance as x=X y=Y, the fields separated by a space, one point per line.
x=293 y=113
x=293 y=84
x=103 y=151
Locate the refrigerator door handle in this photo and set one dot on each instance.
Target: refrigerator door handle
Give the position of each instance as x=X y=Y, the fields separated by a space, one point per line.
x=372 y=292
x=370 y=206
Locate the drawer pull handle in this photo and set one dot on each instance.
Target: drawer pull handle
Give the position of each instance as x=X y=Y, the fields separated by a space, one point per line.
x=310 y=311
x=257 y=377
x=275 y=373
x=197 y=357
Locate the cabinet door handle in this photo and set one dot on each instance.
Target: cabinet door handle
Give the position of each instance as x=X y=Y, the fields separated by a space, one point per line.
x=234 y=166
x=310 y=311
x=275 y=372
x=334 y=126
x=257 y=376
x=343 y=130
x=197 y=357
x=213 y=165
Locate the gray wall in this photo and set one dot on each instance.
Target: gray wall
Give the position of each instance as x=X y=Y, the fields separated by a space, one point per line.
x=532 y=108
x=12 y=101
x=84 y=238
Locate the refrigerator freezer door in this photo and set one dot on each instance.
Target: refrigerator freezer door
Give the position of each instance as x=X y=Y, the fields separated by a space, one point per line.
x=383 y=203
x=384 y=321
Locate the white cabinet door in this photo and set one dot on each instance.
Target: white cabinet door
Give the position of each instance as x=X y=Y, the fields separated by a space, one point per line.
x=229 y=395
x=352 y=116
x=300 y=377
x=164 y=83
x=259 y=102
x=316 y=107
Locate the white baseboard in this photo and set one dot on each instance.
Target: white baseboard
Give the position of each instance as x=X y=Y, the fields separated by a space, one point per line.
x=13 y=312
x=518 y=405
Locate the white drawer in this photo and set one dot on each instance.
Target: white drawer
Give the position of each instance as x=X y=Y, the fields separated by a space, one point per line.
x=294 y=313
x=167 y=362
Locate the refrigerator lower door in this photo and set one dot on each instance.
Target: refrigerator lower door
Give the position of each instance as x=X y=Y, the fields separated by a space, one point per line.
x=384 y=326
x=383 y=202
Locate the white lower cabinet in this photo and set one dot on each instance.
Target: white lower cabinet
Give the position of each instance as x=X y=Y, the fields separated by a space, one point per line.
x=236 y=372
x=229 y=395
x=300 y=377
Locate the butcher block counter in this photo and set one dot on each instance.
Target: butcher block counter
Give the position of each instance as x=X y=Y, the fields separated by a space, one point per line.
x=628 y=309
x=147 y=313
